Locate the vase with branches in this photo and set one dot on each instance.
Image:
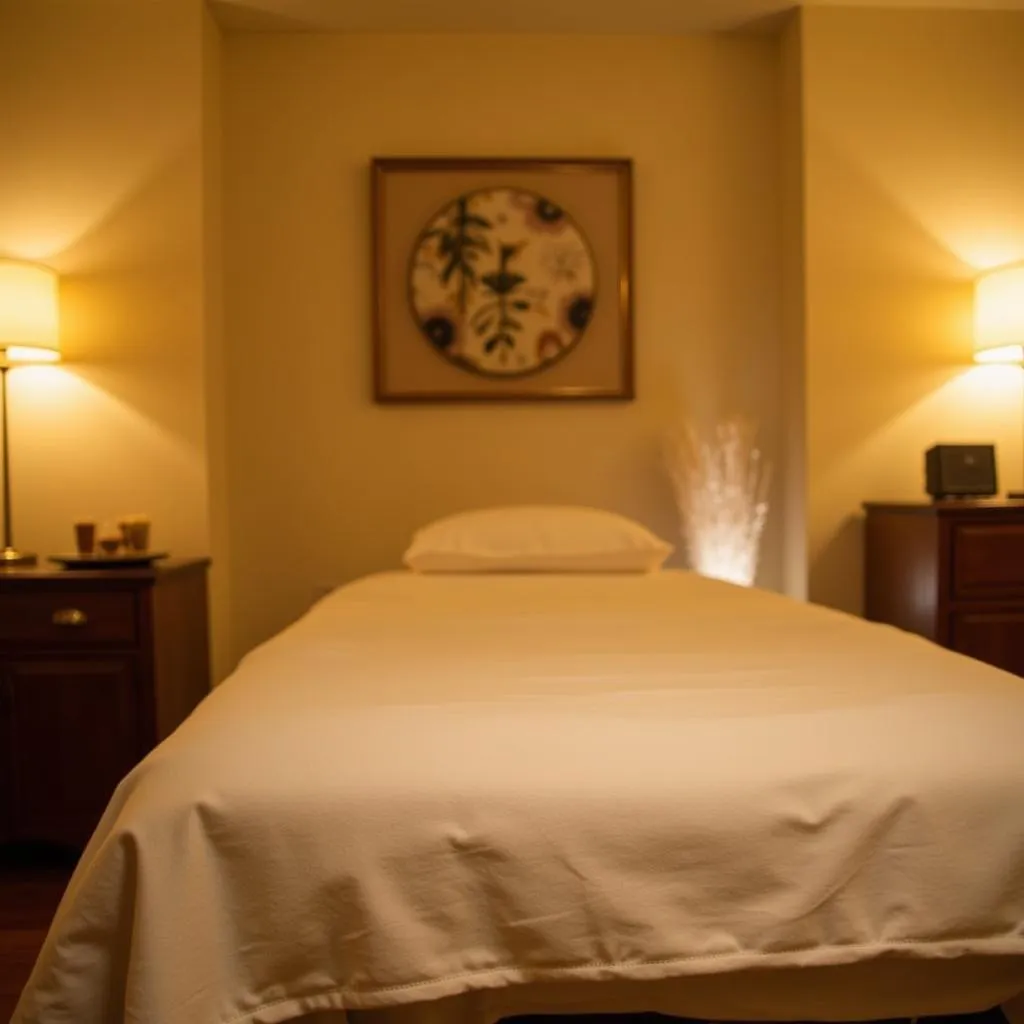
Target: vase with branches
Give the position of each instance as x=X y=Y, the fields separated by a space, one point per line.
x=721 y=483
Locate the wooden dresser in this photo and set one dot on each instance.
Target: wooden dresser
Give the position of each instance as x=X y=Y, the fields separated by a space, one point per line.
x=96 y=667
x=952 y=571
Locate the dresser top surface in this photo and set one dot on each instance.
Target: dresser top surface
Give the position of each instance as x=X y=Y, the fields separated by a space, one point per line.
x=49 y=572
x=948 y=507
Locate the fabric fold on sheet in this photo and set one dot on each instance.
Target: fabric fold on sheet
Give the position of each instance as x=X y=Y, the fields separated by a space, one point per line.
x=429 y=787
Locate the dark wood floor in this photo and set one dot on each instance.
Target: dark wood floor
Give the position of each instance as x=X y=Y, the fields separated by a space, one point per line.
x=30 y=889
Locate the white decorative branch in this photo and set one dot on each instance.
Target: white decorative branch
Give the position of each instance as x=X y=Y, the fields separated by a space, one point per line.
x=721 y=485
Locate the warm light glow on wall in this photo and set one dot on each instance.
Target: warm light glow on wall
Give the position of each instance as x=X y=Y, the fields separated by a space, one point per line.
x=29 y=328
x=999 y=315
x=44 y=390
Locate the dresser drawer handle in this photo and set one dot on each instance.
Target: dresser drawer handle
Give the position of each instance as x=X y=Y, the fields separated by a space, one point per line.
x=70 y=617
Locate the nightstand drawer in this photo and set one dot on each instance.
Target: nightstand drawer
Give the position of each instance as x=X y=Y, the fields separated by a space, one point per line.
x=67 y=617
x=988 y=559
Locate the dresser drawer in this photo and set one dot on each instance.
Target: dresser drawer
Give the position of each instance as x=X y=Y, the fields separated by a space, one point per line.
x=988 y=559
x=67 y=617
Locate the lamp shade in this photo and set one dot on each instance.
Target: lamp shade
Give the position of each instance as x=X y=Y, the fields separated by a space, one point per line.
x=999 y=315
x=29 y=325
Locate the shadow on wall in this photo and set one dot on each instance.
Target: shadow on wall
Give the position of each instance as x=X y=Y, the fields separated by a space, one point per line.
x=838 y=571
x=132 y=294
x=888 y=332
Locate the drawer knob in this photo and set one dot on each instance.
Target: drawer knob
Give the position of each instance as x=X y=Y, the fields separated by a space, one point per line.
x=70 y=617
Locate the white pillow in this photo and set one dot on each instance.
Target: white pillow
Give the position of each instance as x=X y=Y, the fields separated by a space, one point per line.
x=536 y=538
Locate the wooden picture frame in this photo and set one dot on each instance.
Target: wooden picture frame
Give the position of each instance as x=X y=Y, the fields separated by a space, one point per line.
x=502 y=279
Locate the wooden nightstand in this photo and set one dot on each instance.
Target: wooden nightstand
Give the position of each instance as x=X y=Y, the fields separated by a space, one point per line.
x=952 y=571
x=96 y=667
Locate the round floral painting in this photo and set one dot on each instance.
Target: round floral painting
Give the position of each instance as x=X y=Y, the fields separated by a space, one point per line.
x=502 y=282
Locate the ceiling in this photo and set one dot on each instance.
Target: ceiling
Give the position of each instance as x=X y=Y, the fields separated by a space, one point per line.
x=597 y=16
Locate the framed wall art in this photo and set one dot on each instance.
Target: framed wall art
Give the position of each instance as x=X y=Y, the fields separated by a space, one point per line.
x=502 y=279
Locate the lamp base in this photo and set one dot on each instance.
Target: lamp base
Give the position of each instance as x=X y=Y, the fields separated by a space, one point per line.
x=12 y=558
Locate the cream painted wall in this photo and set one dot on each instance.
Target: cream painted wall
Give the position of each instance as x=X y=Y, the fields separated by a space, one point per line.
x=101 y=176
x=791 y=502
x=324 y=484
x=806 y=234
x=913 y=165
x=214 y=361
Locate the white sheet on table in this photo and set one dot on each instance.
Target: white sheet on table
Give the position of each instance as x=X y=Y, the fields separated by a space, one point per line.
x=438 y=785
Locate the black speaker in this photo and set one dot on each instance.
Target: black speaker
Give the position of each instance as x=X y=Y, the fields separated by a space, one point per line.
x=961 y=471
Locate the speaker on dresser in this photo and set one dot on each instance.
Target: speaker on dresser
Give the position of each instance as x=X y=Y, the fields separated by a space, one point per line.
x=961 y=471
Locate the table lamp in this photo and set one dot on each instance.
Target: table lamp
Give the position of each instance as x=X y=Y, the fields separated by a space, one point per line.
x=999 y=318
x=28 y=334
